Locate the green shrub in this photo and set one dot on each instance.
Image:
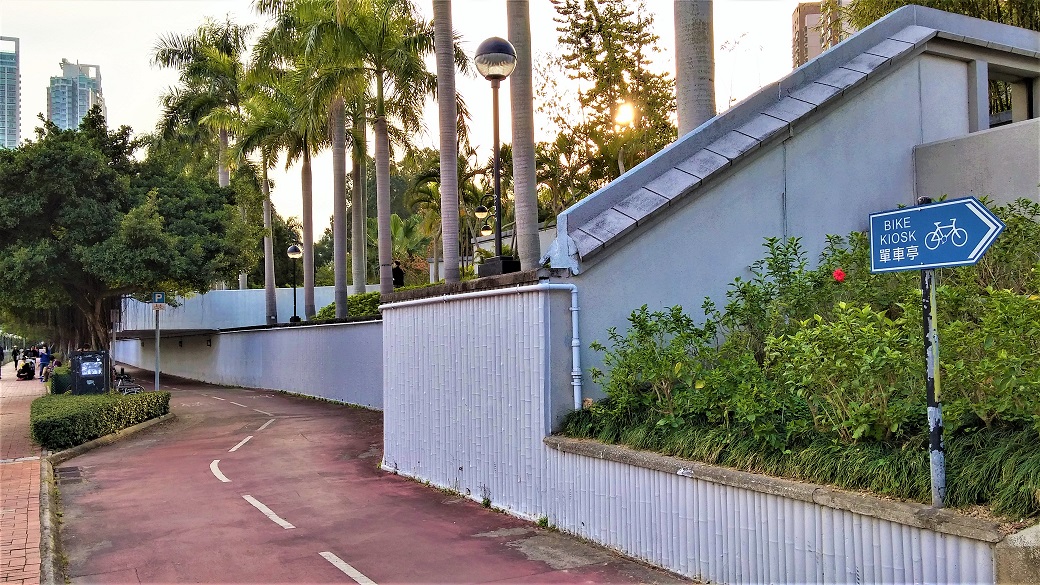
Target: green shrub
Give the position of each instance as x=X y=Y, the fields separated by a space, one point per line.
x=818 y=374
x=63 y=421
x=359 y=305
x=61 y=380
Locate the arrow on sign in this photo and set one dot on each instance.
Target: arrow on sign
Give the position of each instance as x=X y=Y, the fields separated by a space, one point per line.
x=939 y=235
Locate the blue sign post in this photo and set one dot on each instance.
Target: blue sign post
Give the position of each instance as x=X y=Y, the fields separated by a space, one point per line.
x=926 y=237
x=938 y=235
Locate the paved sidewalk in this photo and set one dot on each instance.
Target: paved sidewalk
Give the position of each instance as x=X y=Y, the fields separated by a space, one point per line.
x=19 y=481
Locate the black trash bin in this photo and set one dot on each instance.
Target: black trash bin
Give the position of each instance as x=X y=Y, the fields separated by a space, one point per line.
x=90 y=372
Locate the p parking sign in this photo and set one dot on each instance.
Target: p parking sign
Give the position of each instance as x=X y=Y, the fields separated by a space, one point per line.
x=158 y=298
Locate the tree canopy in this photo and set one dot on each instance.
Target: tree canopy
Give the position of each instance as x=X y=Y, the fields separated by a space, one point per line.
x=82 y=223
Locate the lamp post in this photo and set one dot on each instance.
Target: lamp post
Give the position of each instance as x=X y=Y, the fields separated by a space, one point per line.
x=295 y=253
x=495 y=60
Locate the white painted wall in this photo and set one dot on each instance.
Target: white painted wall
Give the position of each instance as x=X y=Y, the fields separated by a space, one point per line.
x=825 y=179
x=1002 y=164
x=473 y=386
x=342 y=361
x=224 y=309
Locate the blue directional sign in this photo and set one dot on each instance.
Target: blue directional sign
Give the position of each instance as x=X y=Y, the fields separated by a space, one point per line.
x=937 y=235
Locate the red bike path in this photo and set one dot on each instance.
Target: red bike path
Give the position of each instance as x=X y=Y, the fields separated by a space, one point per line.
x=255 y=486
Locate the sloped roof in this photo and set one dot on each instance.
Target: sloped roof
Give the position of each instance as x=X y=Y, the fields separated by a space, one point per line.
x=774 y=112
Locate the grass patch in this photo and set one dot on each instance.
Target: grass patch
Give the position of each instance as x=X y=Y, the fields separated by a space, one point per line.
x=60 y=421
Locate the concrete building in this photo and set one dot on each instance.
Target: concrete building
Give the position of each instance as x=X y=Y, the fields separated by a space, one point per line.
x=813 y=31
x=10 y=93
x=71 y=96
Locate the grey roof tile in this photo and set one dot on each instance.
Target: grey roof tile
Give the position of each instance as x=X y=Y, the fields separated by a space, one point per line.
x=733 y=144
x=842 y=78
x=641 y=204
x=945 y=34
x=703 y=163
x=584 y=243
x=762 y=127
x=914 y=34
x=889 y=48
x=866 y=63
x=815 y=93
x=999 y=47
x=1026 y=52
x=789 y=109
x=609 y=224
x=673 y=183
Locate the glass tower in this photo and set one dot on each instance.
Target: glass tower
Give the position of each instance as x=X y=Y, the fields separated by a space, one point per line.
x=10 y=94
x=70 y=96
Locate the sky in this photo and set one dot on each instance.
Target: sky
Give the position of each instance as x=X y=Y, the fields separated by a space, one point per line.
x=752 y=38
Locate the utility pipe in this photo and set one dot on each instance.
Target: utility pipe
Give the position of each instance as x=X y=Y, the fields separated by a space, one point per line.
x=545 y=286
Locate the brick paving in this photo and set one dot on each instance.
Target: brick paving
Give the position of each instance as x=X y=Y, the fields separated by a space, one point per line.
x=19 y=482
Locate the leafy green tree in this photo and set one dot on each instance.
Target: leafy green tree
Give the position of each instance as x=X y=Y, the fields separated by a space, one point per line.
x=608 y=50
x=209 y=97
x=82 y=224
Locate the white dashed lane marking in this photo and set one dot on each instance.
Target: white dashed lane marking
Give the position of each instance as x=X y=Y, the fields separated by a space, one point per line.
x=263 y=412
x=237 y=404
x=351 y=572
x=216 y=471
x=265 y=424
x=242 y=442
x=268 y=512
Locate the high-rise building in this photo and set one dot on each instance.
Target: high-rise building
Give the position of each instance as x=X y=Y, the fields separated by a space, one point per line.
x=814 y=30
x=71 y=96
x=10 y=94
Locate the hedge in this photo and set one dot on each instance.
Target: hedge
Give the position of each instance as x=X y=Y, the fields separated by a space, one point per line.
x=61 y=380
x=65 y=420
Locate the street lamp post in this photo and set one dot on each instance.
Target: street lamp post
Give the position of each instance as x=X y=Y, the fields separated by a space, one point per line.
x=495 y=60
x=295 y=253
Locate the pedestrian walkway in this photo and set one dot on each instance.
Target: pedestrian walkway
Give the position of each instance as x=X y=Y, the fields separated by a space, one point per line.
x=19 y=481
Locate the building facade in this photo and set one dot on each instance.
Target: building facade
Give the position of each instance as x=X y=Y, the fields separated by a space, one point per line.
x=71 y=96
x=10 y=93
x=814 y=30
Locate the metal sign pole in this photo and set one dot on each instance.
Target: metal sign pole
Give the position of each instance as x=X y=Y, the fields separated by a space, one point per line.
x=157 y=348
x=936 y=450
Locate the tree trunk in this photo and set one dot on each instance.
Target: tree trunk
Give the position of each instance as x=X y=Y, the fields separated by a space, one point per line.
x=521 y=96
x=308 y=236
x=339 y=204
x=694 y=63
x=359 y=208
x=386 y=277
x=269 y=284
x=436 y=277
x=448 y=118
x=224 y=180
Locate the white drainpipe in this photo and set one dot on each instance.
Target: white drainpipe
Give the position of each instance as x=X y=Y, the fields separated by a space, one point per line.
x=575 y=338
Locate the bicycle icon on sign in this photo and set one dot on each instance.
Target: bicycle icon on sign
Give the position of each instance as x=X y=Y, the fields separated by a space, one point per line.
x=943 y=233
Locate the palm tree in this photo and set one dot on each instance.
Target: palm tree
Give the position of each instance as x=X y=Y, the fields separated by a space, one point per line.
x=521 y=91
x=211 y=74
x=694 y=63
x=449 y=151
x=280 y=54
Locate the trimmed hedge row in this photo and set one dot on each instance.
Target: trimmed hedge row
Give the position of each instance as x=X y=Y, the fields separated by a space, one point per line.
x=359 y=305
x=61 y=380
x=63 y=421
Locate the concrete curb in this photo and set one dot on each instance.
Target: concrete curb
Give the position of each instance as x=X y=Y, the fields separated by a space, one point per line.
x=50 y=536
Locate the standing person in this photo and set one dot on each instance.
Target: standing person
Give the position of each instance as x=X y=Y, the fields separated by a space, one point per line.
x=45 y=359
x=398 y=274
x=2 y=356
x=14 y=356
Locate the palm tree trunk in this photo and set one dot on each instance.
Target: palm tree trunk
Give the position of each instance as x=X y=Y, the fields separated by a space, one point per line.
x=339 y=204
x=386 y=277
x=308 y=236
x=269 y=284
x=223 y=180
x=436 y=257
x=694 y=63
x=521 y=95
x=448 y=118
x=359 y=208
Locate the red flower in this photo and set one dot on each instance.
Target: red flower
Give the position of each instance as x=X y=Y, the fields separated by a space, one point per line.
x=839 y=275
